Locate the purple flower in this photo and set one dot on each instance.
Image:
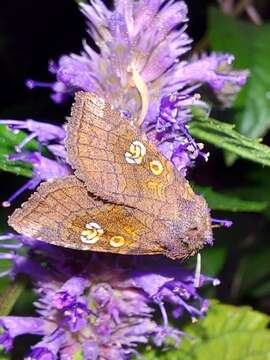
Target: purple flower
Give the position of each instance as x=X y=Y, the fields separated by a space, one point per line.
x=170 y=131
x=103 y=306
x=147 y=78
x=44 y=168
x=140 y=47
x=214 y=69
x=15 y=325
x=231 y=8
x=44 y=132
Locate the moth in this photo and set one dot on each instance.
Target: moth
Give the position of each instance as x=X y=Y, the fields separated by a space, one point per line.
x=124 y=196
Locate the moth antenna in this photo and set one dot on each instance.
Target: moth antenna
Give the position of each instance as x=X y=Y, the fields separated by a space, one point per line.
x=198 y=269
x=143 y=91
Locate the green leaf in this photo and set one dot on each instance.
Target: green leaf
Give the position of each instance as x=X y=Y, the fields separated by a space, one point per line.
x=261 y=290
x=227 y=333
x=256 y=188
x=225 y=137
x=213 y=260
x=4 y=282
x=10 y=296
x=250 y=45
x=253 y=271
x=8 y=141
x=4 y=356
x=220 y=201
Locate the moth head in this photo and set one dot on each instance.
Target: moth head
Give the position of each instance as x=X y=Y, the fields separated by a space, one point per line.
x=192 y=231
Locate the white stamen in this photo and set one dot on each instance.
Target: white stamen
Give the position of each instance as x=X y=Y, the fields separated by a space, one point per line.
x=200 y=146
x=207 y=156
x=198 y=271
x=143 y=91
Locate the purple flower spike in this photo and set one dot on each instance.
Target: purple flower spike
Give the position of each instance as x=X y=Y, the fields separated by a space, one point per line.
x=143 y=60
x=131 y=51
x=102 y=306
x=145 y=71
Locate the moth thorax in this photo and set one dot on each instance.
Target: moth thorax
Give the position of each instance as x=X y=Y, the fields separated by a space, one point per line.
x=92 y=233
x=136 y=153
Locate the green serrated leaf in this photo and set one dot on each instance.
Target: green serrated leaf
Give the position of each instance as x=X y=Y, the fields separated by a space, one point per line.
x=250 y=45
x=8 y=141
x=227 y=333
x=4 y=282
x=10 y=295
x=220 y=201
x=225 y=137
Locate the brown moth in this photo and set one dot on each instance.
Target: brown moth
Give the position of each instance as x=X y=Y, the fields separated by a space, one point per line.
x=124 y=197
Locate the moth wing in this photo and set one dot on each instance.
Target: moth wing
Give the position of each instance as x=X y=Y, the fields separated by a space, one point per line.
x=59 y=211
x=99 y=142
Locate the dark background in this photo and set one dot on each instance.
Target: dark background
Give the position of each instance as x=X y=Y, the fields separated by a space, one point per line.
x=33 y=32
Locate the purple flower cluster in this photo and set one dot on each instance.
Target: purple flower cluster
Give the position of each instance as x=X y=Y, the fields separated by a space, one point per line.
x=99 y=306
x=139 y=67
x=132 y=73
x=103 y=306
